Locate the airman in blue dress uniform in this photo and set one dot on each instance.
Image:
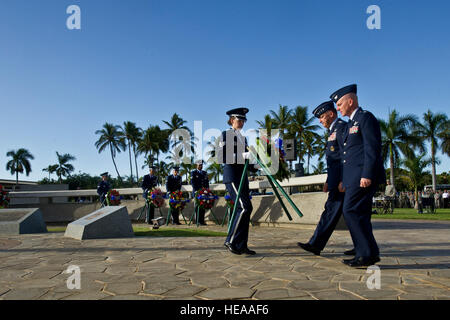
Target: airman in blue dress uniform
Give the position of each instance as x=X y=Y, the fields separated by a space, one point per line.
x=327 y=115
x=362 y=171
x=232 y=153
x=103 y=188
x=199 y=180
x=149 y=182
x=173 y=183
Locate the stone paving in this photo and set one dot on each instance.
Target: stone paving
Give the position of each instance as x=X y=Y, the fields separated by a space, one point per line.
x=415 y=261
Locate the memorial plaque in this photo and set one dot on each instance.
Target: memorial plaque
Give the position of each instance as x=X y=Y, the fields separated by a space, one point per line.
x=22 y=221
x=107 y=222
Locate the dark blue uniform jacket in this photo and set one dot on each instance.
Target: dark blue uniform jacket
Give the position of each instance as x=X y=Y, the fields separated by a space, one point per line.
x=173 y=183
x=362 y=150
x=199 y=180
x=149 y=182
x=333 y=154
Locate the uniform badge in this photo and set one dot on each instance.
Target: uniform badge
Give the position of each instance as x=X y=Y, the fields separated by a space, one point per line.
x=332 y=137
x=354 y=129
x=332 y=148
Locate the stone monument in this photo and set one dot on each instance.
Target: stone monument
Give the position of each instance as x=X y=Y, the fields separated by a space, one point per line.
x=107 y=222
x=21 y=221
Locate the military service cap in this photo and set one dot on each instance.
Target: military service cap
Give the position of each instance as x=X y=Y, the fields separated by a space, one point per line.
x=238 y=113
x=335 y=96
x=104 y=174
x=323 y=107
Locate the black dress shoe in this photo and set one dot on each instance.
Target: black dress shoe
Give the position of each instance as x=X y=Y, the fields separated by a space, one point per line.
x=351 y=252
x=348 y=261
x=248 y=251
x=231 y=248
x=308 y=247
x=363 y=262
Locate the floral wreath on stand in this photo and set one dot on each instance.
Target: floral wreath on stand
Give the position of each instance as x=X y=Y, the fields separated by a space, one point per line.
x=156 y=198
x=4 y=199
x=205 y=199
x=113 y=198
x=176 y=200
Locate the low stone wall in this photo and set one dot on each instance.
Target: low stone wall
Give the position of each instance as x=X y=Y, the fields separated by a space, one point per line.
x=266 y=210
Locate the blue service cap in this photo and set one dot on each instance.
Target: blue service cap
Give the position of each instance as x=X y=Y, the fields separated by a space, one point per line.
x=176 y=168
x=335 y=96
x=104 y=174
x=323 y=107
x=238 y=113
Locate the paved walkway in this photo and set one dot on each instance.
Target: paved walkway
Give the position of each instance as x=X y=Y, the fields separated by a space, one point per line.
x=415 y=264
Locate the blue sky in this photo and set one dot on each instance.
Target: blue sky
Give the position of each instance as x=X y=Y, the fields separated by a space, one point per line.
x=144 y=60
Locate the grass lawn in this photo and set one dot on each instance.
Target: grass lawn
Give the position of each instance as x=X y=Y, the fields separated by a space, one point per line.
x=406 y=213
x=141 y=231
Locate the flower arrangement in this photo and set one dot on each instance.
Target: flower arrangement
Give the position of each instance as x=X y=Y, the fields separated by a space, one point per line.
x=113 y=198
x=204 y=198
x=229 y=201
x=156 y=198
x=283 y=170
x=176 y=200
x=4 y=199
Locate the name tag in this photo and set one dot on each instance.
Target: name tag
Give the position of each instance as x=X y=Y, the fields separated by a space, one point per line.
x=354 y=129
x=332 y=137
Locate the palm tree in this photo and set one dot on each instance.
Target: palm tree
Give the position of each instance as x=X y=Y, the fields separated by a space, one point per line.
x=215 y=170
x=19 y=162
x=321 y=143
x=434 y=127
x=300 y=127
x=415 y=165
x=153 y=142
x=132 y=134
x=310 y=147
x=112 y=137
x=163 y=172
x=397 y=137
x=50 y=169
x=281 y=119
x=445 y=138
x=63 y=167
x=186 y=168
x=175 y=123
x=320 y=168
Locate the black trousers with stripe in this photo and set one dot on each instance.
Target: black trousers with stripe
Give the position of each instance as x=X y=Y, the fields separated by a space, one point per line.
x=238 y=235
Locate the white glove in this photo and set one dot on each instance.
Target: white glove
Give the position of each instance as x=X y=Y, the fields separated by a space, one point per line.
x=246 y=155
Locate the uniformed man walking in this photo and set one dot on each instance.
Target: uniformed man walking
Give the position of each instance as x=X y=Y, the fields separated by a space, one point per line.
x=327 y=115
x=103 y=188
x=149 y=182
x=362 y=171
x=232 y=153
x=173 y=183
x=199 y=180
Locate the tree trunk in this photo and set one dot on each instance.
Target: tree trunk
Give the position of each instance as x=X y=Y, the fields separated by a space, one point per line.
x=433 y=165
x=131 y=166
x=135 y=162
x=391 y=159
x=112 y=157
